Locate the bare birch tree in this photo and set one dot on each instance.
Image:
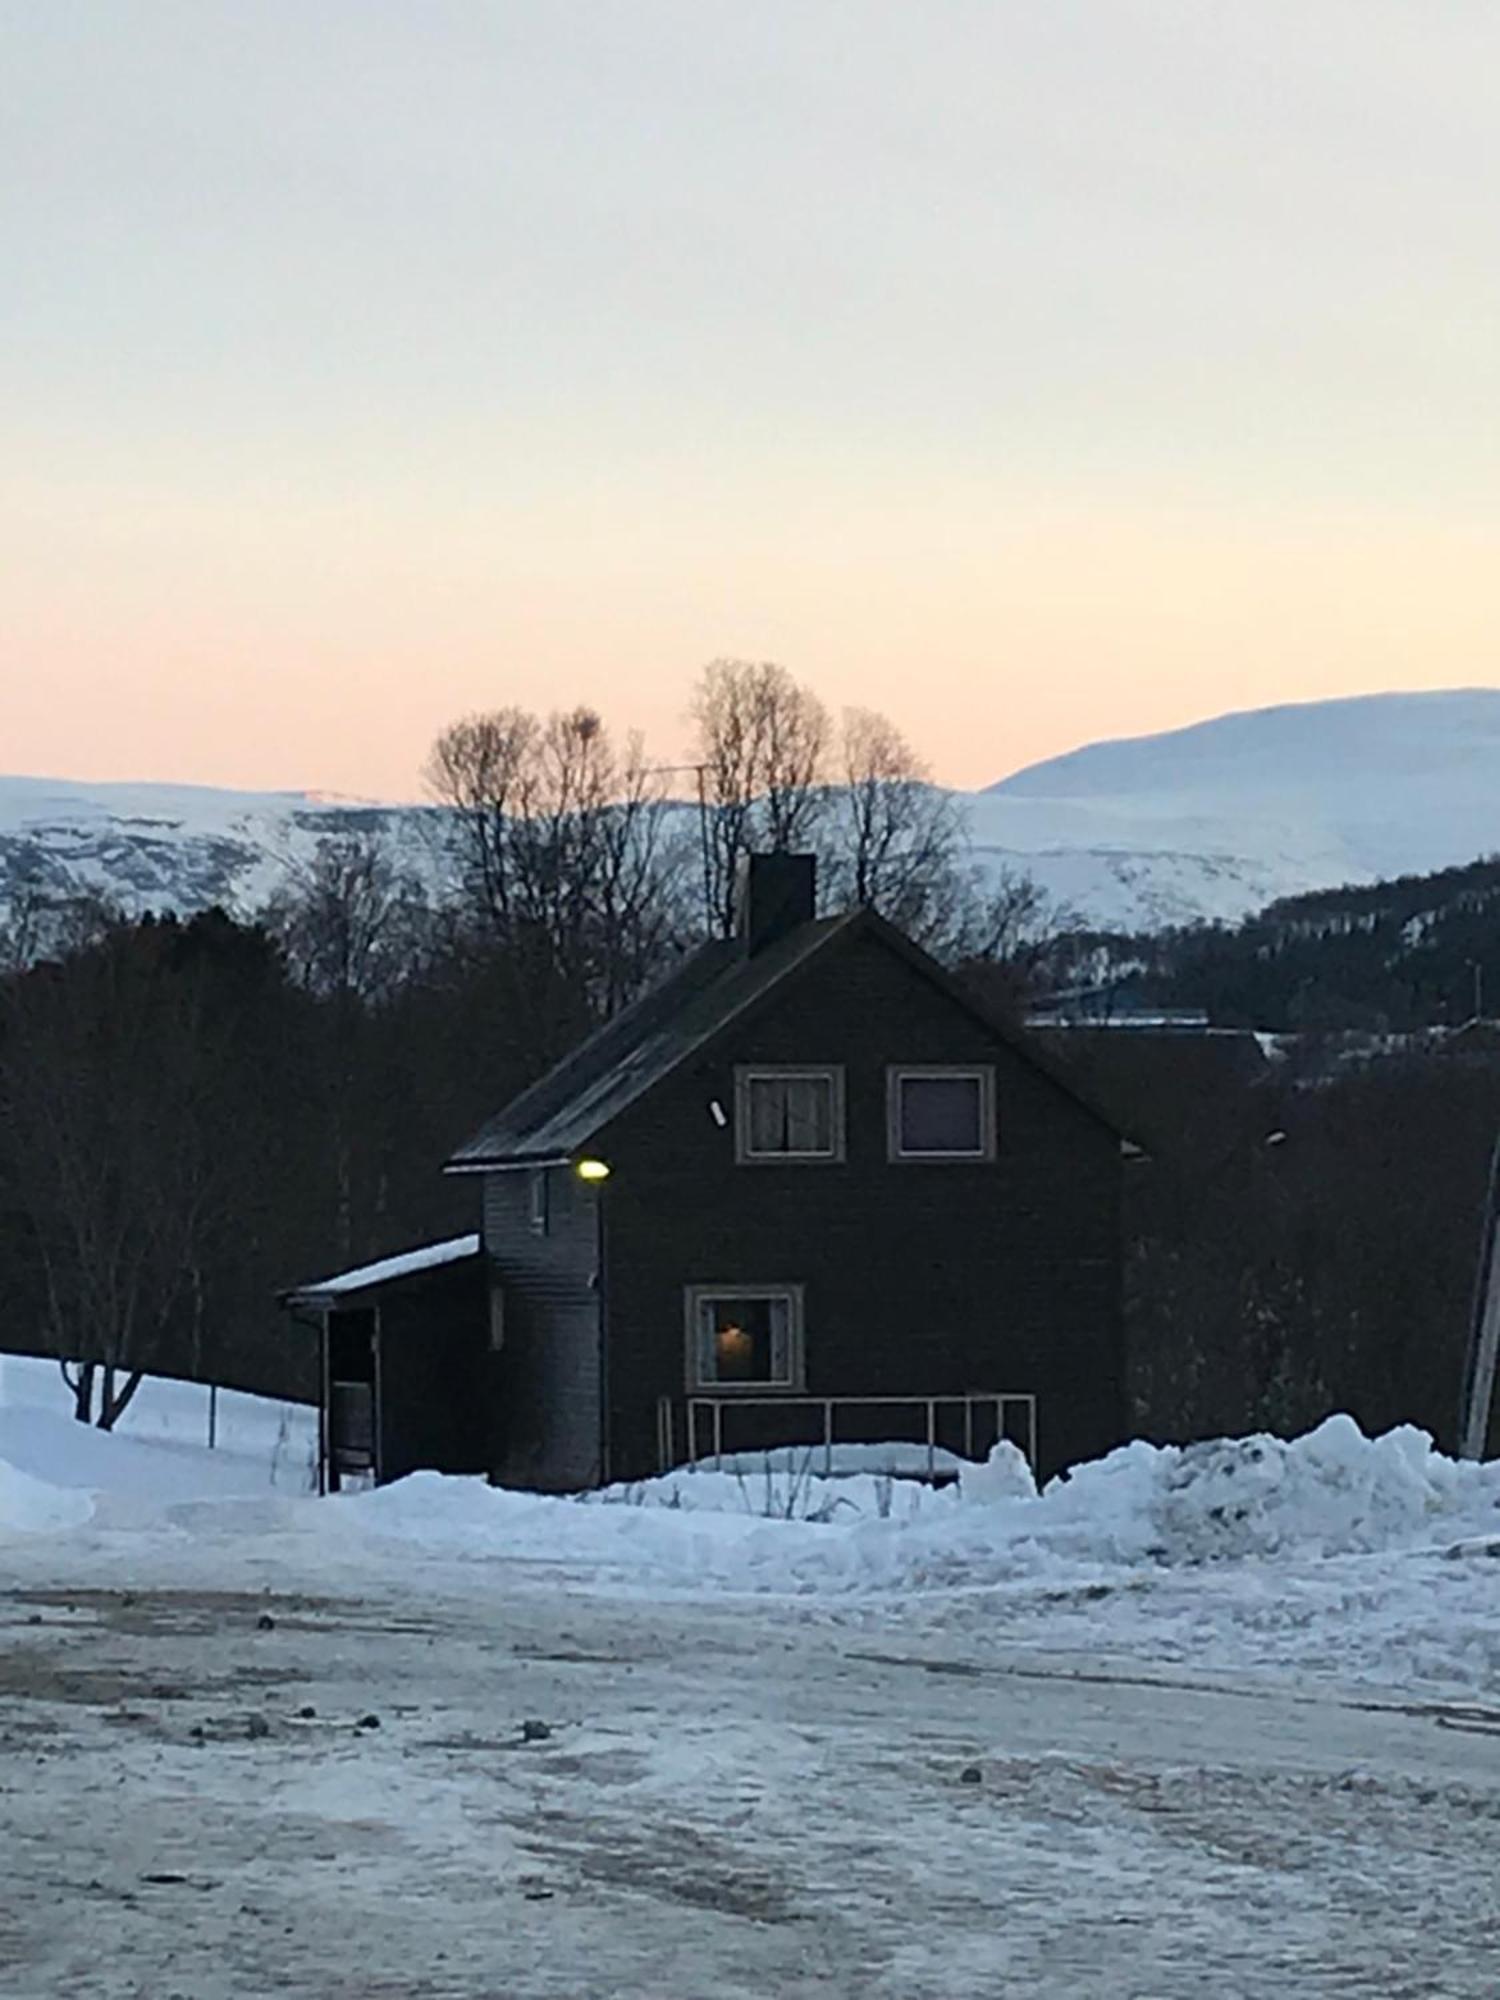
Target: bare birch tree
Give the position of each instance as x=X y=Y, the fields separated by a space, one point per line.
x=893 y=839
x=763 y=744
x=564 y=843
x=106 y=1089
x=352 y=922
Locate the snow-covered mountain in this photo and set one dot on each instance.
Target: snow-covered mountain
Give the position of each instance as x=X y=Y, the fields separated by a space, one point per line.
x=1218 y=819
x=180 y=847
x=1207 y=822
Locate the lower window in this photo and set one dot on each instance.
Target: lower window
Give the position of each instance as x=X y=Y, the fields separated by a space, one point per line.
x=744 y=1337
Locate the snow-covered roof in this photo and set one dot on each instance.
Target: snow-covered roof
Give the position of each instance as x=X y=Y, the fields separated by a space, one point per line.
x=429 y=1257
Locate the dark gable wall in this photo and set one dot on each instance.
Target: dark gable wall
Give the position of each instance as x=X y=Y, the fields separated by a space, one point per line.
x=545 y=1394
x=930 y=1279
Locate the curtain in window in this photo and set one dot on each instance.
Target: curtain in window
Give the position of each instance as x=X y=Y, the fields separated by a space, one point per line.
x=791 y=1114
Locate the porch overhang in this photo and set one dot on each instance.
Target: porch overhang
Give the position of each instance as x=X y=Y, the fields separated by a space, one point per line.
x=348 y=1288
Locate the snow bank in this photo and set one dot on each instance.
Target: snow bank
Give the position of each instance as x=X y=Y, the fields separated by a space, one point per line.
x=156 y=1459
x=1333 y=1492
x=631 y=1545
x=30 y=1507
x=1368 y=1559
x=772 y=1522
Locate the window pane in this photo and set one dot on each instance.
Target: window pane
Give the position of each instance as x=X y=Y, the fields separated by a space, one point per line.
x=739 y=1339
x=767 y=1115
x=809 y=1114
x=942 y=1114
x=790 y=1114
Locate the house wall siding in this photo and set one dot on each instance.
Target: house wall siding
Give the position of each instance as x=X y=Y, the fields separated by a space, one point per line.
x=920 y=1279
x=545 y=1414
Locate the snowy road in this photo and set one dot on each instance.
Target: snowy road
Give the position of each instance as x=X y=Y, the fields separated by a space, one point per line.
x=733 y=1799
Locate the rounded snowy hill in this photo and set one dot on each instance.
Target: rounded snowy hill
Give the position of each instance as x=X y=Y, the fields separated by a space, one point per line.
x=161 y=847
x=1208 y=822
x=1219 y=818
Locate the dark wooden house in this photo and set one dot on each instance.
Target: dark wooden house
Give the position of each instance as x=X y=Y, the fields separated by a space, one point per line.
x=806 y=1191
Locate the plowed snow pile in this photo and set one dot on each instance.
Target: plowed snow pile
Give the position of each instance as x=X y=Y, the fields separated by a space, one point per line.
x=1331 y=1493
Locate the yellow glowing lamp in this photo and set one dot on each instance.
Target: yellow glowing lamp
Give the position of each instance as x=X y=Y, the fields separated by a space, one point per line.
x=734 y=1347
x=592 y=1170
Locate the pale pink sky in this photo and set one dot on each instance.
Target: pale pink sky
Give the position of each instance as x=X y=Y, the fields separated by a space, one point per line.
x=1033 y=374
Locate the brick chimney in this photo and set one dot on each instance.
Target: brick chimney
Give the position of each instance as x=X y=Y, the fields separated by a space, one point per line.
x=777 y=892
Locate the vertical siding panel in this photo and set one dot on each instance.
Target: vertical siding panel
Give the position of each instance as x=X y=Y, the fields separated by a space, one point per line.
x=546 y=1418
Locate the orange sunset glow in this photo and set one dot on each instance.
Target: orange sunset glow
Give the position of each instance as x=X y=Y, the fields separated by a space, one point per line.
x=1031 y=374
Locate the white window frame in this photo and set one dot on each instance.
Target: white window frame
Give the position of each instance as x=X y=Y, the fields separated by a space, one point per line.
x=981 y=1073
x=701 y=1384
x=748 y=1074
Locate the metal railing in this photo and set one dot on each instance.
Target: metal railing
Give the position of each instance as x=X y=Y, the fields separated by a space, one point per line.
x=703 y=1425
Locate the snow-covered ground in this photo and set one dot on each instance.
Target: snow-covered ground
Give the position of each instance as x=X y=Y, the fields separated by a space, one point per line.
x=160 y=1452
x=1224 y=1720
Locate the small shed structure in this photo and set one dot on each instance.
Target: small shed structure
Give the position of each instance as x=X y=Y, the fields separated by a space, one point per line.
x=404 y=1364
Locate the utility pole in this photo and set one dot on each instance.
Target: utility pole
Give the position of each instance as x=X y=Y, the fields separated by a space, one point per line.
x=1478 y=1394
x=699 y=773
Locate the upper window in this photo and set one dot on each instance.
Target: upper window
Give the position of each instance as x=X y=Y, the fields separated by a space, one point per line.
x=744 y=1337
x=941 y=1114
x=789 y=1115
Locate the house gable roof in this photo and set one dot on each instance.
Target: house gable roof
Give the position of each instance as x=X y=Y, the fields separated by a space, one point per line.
x=629 y=1055
x=557 y=1116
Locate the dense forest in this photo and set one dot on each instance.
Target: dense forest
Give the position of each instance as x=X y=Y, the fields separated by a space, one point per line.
x=1306 y=1234
x=1384 y=958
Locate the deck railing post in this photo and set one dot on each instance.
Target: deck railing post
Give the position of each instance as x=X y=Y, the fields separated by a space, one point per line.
x=698 y=1409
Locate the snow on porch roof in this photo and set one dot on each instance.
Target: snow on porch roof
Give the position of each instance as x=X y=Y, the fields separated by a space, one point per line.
x=430 y=1257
